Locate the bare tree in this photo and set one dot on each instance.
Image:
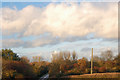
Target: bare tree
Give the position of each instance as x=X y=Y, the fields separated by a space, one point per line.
x=74 y=55
x=107 y=55
x=66 y=55
x=96 y=59
x=55 y=56
x=37 y=58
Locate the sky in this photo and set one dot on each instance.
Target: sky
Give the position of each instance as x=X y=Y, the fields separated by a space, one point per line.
x=40 y=28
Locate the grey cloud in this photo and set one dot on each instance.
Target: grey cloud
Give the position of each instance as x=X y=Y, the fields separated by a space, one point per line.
x=12 y=43
x=42 y=40
x=85 y=49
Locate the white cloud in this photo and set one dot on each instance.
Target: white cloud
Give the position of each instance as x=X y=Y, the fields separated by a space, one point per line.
x=61 y=20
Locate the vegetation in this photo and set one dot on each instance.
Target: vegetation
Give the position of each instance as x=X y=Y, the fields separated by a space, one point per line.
x=66 y=63
x=62 y=64
x=15 y=67
x=103 y=76
x=8 y=54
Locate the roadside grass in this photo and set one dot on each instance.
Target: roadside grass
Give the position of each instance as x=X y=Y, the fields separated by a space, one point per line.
x=96 y=75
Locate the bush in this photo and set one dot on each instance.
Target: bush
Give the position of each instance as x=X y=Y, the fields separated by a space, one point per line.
x=19 y=76
x=54 y=69
x=8 y=74
x=59 y=75
x=87 y=71
x=12 y=68
x=115 y=69
x=73 y=72
x=102 y=69
x=96 y=69
x=42 y=70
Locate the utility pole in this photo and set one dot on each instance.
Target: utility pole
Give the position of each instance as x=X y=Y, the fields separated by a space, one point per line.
x=92 y=62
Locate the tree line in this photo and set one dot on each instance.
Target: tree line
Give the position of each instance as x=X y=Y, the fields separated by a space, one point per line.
x=66 y=63
x=63 y=63
x=15 y=67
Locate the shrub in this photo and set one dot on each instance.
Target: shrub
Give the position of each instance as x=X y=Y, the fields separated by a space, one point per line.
x=95 y=69
x=87 y=71
x=54 y=69
x=73 y=71
x=19 y=76
x=8 y=74
x=12 y=68
x=102 y=69
x=42 y=70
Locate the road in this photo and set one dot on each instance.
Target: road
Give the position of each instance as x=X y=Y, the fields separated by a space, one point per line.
x=44 y=77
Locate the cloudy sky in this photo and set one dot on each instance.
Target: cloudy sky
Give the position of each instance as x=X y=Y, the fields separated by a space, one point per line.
x=32 y=29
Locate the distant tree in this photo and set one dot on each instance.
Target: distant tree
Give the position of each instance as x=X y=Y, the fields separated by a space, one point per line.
x=66 y=55
x=8 y=54
x=37 y=58
x=40 y=68
x=54 y=69
x=25 y=59
x=117 y=63
x=55 y=56
x=60 y=56
x=84 y=58
x=117 y=60
x=107 y=55
x=109 y=65
x=74 y=55
x=96 y=59
x=82 y=64
x=11 y=69
x=60 y=63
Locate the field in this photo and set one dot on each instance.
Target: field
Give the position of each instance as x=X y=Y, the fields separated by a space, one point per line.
x=96 y=75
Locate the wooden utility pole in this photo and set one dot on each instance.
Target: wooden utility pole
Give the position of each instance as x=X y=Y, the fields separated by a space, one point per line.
x=92 y=61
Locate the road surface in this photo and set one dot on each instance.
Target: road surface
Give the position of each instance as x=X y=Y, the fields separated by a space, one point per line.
x=44 y=77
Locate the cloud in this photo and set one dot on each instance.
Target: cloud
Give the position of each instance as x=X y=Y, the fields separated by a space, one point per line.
x=86 y=49
x=9 y=43
x=60 y=20
x=40 y=41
